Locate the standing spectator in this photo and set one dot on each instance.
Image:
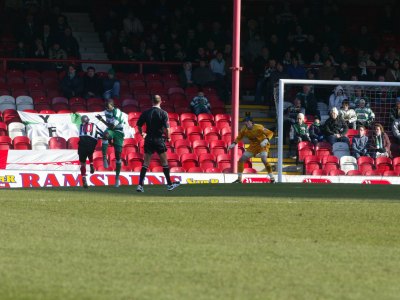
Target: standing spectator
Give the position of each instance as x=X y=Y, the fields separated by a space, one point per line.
x=395 y=111
x=393 y=72
x=200 y=104
x=111 y=86
x=359 y=144
x=72 y=84
x=336 y=128
x=20 y=52
x=290 y=116
x=380 y=142
x=70 y=44
x=316 y=131
x=365 y=115
x=396 y=129
x=263 y=80
x=132 y=25
x=308 y=100
x=39 y=52
x=202 y=75
x=348 y=114
x=337 y=97
x=92 y=86
x=57 y=53
x=186 y=75
x=298 y=133
x=47 y=37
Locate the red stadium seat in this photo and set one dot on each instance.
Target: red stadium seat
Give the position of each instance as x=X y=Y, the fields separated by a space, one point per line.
x=200 y=146
x=73 y=143
x=391 y=173
x=57 y=143
x=157 y=169
x=207 y=160
x=176 y=90
x=222 y=117
x=323 y=149
x=211 y=134
x=174 y=160
x=130 y=145
x=21 y=143
x=189 y=160
x=3 y=129
x=188 y=119
x=195 y=170
x=336 y=172
x=224 y=161
x=205 y=118
x=372 y=173
x=249 y=171
x=213 y=170
x=383 y=164
x=311 y=163
x=177 y=170
x=5 y=142
x=11 y=115
x=304 y=149
x=365 y=163
x=134 y=160
x=182 y=146
x=194 y=133
x=218 y=147
x=318 y=172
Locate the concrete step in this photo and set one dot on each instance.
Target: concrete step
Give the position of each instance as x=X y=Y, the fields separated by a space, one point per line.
x=91 y=49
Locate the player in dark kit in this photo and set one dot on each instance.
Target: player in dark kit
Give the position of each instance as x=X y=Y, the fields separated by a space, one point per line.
x=157 y=125
x=89 y=133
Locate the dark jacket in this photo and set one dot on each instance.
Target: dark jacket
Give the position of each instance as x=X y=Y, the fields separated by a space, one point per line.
x=72 y=87
x=336 y=126
x=92 y=85
x=316 y=132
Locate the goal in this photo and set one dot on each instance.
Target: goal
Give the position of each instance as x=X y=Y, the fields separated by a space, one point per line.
x=380 y=97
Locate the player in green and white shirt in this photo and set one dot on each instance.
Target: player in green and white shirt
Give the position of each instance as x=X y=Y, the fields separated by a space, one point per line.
x=365 y=115
x=115 y=132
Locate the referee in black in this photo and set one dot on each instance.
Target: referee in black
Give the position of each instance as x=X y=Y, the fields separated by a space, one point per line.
x=157 y=125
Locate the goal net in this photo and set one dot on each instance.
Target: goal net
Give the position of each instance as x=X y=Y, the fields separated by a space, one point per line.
x=380 y=99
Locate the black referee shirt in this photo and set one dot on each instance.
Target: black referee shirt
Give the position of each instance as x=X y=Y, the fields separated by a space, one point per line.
x=156 y=120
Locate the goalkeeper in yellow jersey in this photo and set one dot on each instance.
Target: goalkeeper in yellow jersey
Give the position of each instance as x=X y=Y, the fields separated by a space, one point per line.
x=259 y=138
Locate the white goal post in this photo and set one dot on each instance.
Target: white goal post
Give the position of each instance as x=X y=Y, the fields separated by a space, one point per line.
x=281 y=100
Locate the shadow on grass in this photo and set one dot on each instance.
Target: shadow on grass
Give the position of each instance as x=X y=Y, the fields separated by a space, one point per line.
x=287 y=190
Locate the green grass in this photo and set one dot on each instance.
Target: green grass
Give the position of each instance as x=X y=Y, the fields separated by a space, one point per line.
x=283 y=241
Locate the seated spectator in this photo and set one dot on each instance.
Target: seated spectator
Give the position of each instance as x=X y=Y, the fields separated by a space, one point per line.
x=380 y=143
x=365 y=115
x=186 y=75
x=217 y=66
x=295 y=70
x=360 y=145
x=336 y=128
x=92 y=86
x=308 y=100
x=200 y=104
x=396 y=129
x=202 y=75
x=298 y=133
x=393 y=72
x=290 y=116
x=337 y=97
x=395 y=111
x=358 y=94
x=111 y=86
x=56 y=52
x=316 y=131
x=72 y=84
x=348 y=115
x=327 y=71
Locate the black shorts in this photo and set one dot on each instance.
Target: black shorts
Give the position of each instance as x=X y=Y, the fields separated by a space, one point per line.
x=152 y=145
x=85 y=149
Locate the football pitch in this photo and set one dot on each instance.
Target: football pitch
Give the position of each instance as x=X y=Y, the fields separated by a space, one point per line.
x=249 y=241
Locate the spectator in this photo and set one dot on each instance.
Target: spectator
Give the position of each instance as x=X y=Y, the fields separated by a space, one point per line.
x=132 y=25
x=186 y=75
x=336 y=128
x=344 y=72
x=290 y=116
x=295 y=70
x=71 y=84
x=359 y=144
x=111 y=86
x=316 y=131
x=393 y=72
x=365 y=115
x=357 y=96
x=20 y=52
x=202 y=75
x=337 y=97
x=200 y=104
x=396 y=129
x=348 y=114
x=47 y=37
x=308 y=100
x=70 y=44
x=298 y=133
x=39 y=52
x=92 y=86
x=327 y=71
x=57 y=53
x=395 y=111
x=263 y=80
x=380 y=143
x=217 y=66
